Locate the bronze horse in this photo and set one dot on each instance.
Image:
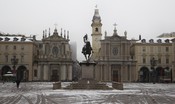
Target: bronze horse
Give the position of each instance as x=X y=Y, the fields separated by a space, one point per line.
x=86 y=50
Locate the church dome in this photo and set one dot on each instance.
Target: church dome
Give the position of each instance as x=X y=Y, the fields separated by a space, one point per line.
x=96 y=15
x=55 y=32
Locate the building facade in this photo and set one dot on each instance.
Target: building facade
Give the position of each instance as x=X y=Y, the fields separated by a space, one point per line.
x=17 y=54
x=118 y=58
x=28 y=59
x=161 y=51
x=115 y=63
x=173 y=62
x=54 y=58
x=112 y=54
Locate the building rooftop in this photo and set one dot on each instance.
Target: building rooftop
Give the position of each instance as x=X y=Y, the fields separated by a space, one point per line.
x=15 y=38
x=156 y=40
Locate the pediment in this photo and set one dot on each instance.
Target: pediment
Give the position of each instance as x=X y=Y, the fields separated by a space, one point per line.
x=116 y=37
x=54 y=37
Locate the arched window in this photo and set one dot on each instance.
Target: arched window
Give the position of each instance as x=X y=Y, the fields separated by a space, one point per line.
x=96 y=29
x=6 y=58
x=14 y=47
x=22 y=58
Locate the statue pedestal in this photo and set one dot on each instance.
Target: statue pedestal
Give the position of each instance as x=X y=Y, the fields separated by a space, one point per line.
x=88 y=78
x=88 y=70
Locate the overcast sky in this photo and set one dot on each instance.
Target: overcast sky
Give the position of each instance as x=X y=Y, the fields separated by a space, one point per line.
x=149 y=18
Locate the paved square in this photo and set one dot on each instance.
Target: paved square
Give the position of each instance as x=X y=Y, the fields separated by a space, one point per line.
x=42 y=93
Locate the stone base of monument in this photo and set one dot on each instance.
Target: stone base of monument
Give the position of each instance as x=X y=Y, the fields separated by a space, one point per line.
x=88 y=78
x=56 y=85
x=117 y=85
x=88 y=70
x=88 y=84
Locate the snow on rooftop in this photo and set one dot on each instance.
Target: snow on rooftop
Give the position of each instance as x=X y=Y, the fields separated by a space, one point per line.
x=15 y=39
x=156 y=40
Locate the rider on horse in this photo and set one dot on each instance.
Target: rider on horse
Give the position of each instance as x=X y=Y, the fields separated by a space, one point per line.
x=87 y=47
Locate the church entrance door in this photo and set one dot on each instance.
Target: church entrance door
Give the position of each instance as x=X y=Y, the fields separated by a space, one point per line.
x=115 y=75
x=55 y=76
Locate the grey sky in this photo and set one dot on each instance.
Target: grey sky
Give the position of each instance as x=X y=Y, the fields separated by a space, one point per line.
x=149 y=18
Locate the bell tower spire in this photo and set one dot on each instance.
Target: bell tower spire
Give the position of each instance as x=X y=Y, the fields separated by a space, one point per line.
x=96 y=32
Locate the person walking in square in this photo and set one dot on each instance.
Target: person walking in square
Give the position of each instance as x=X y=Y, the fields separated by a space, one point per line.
x=17 y=83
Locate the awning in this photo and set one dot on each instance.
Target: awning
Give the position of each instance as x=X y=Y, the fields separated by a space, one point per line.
x=8 y=75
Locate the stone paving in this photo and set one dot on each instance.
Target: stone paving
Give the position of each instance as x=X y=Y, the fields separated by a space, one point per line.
x=42 y=93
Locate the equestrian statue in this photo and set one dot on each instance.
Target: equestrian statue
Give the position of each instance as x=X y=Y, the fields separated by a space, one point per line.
x=87 y=49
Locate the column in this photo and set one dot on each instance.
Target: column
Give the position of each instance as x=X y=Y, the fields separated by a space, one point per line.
x=109 y=74
x=124 y=73
x=43 y=49
x=63 y=72
x=39 y=72
x=69 y=72
x=30 y=74
x=45 y=70
x=101 y=72
x=105 y=72
x=121 y=74
x=97 y=72
x=129 y=73
x=49 y=72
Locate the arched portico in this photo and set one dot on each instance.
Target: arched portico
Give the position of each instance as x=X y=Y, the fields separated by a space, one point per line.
x=144 y=74
x=167 y=75
x=22 y=73
x=159 y=74
x=5 y=69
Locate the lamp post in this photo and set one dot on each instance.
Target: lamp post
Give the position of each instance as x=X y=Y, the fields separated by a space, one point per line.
x=14 y=61
x=153 y=64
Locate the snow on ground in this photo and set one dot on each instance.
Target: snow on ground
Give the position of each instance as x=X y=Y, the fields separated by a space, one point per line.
x=42 y=93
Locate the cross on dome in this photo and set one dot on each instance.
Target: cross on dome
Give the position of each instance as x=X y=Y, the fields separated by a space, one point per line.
x=56 y=25
x=115 y=24
x=115 y=30
x=95 y=6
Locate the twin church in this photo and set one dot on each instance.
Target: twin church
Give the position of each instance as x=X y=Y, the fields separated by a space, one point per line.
x=112 y=55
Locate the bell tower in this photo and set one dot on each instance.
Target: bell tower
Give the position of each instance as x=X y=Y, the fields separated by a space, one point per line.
x=96 y=33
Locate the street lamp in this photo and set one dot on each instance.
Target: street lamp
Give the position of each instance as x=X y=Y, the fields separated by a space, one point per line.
x=153 y=64
x=14 y=61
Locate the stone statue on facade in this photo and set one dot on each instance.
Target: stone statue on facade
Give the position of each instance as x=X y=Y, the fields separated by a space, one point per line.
x=87 y=49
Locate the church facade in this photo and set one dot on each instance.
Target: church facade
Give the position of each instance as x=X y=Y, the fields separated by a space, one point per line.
x=112 y=54
x=54 y=58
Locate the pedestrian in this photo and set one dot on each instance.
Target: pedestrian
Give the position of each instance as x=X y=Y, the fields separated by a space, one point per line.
x=17 y=83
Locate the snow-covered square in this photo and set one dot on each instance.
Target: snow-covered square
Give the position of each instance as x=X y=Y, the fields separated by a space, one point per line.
x=42 y=93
